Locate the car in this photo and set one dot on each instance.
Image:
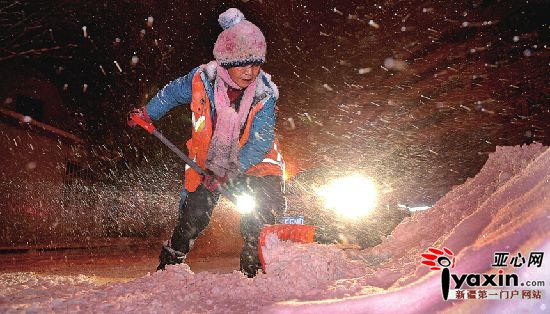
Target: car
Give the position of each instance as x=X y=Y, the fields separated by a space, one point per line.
x=347 y=210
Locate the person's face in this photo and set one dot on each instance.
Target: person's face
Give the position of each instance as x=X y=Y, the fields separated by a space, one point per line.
x=244 y=75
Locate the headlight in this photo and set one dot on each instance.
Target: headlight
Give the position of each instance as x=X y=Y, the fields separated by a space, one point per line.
x=352 y=196
x=245 y=204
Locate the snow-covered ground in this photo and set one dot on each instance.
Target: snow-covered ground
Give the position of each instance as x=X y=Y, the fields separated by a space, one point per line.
x=505 y=208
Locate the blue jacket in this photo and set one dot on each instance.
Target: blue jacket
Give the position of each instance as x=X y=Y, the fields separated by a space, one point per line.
x=262 y=131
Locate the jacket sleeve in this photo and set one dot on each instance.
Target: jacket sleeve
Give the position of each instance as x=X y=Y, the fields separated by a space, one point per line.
x=262 y=135
x=173 y=94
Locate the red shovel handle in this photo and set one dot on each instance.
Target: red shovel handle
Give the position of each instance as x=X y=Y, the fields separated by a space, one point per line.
x=142 y=123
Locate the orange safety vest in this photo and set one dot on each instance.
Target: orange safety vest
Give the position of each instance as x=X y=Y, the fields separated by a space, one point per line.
x=201 y=134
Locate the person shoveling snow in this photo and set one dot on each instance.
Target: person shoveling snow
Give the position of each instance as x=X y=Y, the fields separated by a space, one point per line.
x=233 y=138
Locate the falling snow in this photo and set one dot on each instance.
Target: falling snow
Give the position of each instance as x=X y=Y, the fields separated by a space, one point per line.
x=430 y=100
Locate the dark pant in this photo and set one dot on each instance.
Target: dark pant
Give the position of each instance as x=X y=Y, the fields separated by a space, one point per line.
x=197 y=209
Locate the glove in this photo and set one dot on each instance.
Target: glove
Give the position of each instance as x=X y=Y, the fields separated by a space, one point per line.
x=211 y=182
x=140 y=113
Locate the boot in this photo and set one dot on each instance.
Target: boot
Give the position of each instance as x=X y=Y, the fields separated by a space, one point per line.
x=169 y=256
x=250 y=262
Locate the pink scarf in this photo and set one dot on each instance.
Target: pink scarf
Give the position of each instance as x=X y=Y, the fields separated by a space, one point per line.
x=223 y=152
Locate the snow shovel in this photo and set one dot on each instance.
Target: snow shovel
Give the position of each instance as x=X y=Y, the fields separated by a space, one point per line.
x=149 y=127
x=298 y=233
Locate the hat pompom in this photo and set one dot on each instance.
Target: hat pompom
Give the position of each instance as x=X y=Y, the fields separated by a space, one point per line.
x=231 y=17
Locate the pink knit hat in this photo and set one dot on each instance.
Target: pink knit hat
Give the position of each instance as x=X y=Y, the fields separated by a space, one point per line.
x=240 y=42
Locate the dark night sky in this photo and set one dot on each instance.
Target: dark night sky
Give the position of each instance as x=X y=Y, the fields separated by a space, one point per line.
x=413 y=93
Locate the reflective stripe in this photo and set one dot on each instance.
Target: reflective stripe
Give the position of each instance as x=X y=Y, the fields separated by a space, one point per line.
x=187 y=166
x=271 y=161
x=279 y=156
x=199 y=123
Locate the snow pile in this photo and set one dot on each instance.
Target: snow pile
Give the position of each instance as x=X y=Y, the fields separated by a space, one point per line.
x=295 y=271
x=306 y=268
x=26 y=291
x=506 y=207
x=460 y=216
